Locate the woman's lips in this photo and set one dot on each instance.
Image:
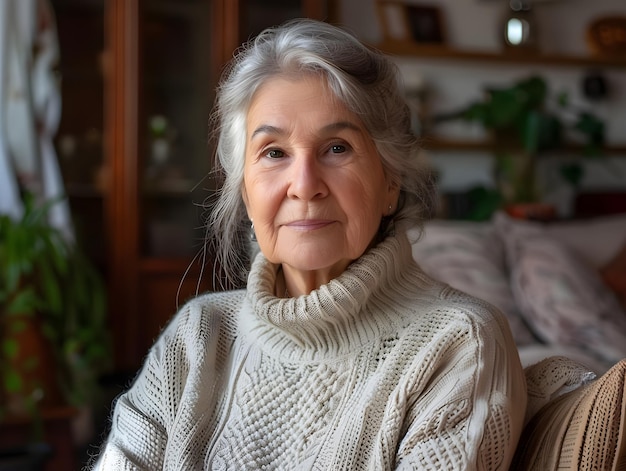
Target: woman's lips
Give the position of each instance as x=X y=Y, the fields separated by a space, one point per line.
x=309 y=224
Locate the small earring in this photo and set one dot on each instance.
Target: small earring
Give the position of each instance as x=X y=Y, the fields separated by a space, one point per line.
x=390 y=206
x=252 y=233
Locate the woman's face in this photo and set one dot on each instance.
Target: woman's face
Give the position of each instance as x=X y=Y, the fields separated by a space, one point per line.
x=314 y=184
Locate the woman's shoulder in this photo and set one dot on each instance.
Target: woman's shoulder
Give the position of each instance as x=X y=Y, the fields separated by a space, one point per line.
x=455 y=306
x=206 y=315
x=217 y=301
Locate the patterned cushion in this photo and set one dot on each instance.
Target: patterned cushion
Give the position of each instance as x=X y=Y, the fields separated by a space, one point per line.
x=470 y=257
x=563 y=299
x=595 y=240
x=614 y=275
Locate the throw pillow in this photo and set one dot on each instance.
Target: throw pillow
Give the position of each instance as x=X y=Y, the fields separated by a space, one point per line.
x=563 y=299
x=595 y=240
x=470 y=257
x=614 y=275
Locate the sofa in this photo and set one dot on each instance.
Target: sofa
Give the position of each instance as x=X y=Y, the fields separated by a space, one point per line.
x=562 y=287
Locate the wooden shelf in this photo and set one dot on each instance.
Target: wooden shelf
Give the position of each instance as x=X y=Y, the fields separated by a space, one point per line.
x=439 y=143
x=442 y=52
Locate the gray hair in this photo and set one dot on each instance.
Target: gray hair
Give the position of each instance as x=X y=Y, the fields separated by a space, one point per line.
x=364 y=80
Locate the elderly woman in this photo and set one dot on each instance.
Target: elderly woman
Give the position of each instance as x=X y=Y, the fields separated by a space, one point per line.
x=340 y=354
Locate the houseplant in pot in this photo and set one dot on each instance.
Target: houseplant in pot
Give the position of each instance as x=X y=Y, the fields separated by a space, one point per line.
x=524 y=125
x=53 y=334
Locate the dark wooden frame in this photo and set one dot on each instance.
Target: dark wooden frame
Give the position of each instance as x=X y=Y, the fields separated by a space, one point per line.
x=143 y=289
x=393 y=20
x=426 y=24
x=405 y=22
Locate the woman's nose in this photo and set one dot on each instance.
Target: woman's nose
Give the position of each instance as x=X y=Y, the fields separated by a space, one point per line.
x=306 y=177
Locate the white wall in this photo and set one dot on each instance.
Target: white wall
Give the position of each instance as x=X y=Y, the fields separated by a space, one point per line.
x=475 y=25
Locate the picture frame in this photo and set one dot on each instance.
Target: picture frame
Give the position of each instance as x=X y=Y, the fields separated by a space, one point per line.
x=425 y=24
x=402 y=21
x=394 y=21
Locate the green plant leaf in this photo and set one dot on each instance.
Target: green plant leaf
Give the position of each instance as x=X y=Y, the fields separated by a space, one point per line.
x=536 y=90
x=530 y=132
x=505 y=108
x=44 y=275
x=17 y=325
x=520 y=118
x=476 y=112
x=51 y=289
x=10 y=348
x=540 y=131
x=23 y=302
x=483 y=202
x=30 y=363
x=12 y=382
x=572 y=173
x=593 y=129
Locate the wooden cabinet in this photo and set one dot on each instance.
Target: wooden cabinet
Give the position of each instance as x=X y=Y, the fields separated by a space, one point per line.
x=157 y=100
x=138 y=85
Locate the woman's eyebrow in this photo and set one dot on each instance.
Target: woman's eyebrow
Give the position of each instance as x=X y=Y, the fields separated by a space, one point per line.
x=266 y=129
x=337 y=126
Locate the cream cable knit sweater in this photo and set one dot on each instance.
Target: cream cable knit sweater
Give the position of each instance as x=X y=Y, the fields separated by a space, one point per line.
x=382 y=368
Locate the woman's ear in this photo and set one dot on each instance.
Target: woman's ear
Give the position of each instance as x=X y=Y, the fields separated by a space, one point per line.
x=393 y=194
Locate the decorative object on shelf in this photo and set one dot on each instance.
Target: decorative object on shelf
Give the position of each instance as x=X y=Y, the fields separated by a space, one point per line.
x=532 y=211
x=53 y=328
x=520 y=27
x=393 y=20
x=418 y=93
x=595 y=87
x=161 y=136
x=163 y=174
x=607 y=36
x=408 y=22
x=522 y=128
x=426 y=24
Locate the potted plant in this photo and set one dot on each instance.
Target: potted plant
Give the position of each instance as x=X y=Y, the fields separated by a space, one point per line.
x=523 y=126
x=53 y=334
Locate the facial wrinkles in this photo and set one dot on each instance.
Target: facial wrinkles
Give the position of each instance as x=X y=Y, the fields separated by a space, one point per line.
x=344 y=188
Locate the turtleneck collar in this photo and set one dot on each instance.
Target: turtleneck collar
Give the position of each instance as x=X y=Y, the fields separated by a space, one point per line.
x=371 y=299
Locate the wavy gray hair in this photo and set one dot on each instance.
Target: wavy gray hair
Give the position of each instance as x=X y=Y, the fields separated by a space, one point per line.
x=364 y=80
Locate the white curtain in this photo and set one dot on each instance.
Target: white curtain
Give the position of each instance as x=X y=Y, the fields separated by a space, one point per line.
x=30 y=108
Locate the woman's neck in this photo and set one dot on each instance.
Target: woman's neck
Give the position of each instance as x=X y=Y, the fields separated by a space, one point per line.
x=291 y=283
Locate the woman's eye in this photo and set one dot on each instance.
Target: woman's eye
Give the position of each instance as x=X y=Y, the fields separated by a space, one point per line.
x=338 y=149
x=275 y=154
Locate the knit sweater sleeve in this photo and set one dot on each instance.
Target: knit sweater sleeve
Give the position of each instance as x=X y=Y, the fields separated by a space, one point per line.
x=138 y=436
x=166 y=389
x=471 y=413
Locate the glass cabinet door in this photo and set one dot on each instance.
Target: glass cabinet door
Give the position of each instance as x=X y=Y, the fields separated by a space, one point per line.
x=79 y=140
x=174 y=101
x=138 y=80
x=258 y=14
x=175 y=98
